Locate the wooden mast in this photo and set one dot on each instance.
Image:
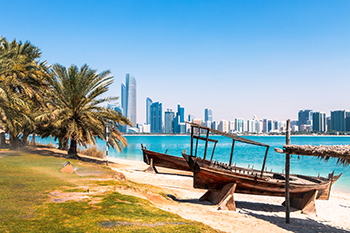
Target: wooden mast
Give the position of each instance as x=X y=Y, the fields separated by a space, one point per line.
x=287 y=202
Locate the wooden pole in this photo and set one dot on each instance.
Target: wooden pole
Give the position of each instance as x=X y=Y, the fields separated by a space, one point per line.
x=233 y=145
x=263 y=167
x=206 y=144
x=191 y=140
x=199 y=134
x=287 y=202
x=212 y=155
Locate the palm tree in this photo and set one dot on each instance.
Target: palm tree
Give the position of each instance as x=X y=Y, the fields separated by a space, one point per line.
x=23 y=87
x=75 y=111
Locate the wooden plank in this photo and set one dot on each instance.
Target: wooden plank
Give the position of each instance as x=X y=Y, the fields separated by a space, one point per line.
x=151 y=169
x=199 y=135
x=212 y=154
x=204 y=139
x=306 y=203
x=233 y=145
x=228 y=201
x=263 y=167
x=191 y=140
x=206 y=144
x=287 y=201
x=233 y=136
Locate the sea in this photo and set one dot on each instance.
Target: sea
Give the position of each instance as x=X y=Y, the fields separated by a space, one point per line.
x=244 y=155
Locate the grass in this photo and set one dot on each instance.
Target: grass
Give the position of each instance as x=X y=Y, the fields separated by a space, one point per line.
x=27 y=179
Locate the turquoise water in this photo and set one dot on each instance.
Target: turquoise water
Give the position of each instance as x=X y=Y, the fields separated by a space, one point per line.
x=244 y=154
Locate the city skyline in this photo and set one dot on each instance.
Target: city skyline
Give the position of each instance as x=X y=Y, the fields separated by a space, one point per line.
x=264 y=58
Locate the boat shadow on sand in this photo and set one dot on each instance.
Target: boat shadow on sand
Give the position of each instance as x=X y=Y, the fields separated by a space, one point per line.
x=251 y=209
x=296 y=224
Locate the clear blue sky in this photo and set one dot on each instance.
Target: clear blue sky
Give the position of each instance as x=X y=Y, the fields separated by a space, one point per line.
x=240 y=58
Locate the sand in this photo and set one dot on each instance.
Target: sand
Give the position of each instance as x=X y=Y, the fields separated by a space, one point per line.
x=254 y=213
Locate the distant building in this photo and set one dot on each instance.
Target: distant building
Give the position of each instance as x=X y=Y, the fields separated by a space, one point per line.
x=123 y=99
x=208 y=114
x=338 y=120
x=231 y=126
x=215 y=125
x=319 y=121
x=156 y=118
x=128 y=99
x=223 y=126
x=146 y=128
x=329 y=122
x=169 y=121
x=190 y=117
x=239 y=125
x=295 y=128
x=179 y=118
x=181 y=113
x=148 y=110
x=304 y=118
x=305 y=128
x=347 y=121
x=265 y=128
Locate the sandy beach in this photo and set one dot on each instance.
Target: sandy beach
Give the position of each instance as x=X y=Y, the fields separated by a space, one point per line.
x=254 y=213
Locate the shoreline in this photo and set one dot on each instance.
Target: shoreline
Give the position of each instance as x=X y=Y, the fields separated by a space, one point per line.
x=240 y=135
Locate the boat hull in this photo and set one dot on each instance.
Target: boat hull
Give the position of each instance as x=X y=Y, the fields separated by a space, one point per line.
x=215 y=178
x=165 y=160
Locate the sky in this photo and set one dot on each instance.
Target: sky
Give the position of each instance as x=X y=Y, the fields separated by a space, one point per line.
x=239 y=58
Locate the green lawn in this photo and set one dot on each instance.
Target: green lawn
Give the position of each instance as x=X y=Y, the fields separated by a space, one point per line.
x=27 y=179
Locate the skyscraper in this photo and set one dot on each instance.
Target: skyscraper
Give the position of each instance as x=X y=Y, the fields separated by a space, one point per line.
x=169 y=121
x=338 y=120
x=179 y=119
x=123 y=98
x=304 y=117
x=128 y=98
x=347 y=121
x=190 y=117
x=208 y=115
x=156 y=118
x=148 y=110
x=181 y=113
x=239 y=124
x=319 y=121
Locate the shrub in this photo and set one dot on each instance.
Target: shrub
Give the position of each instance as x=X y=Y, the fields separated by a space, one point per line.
x=93 y=152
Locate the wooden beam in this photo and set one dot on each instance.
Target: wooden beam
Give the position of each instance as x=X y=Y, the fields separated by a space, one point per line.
x=191 y=140
x=204 y=139
x=287 y=202
x=212 y=154
x=199 y=135
x=263 y=167
x=206 y=144
x=151 y=169
x=233 y=145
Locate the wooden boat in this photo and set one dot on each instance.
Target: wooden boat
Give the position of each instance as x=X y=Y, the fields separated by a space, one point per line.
x=223 y=180
x=153 y=159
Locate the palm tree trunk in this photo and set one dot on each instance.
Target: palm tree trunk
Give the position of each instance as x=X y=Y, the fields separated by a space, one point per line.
x=72 y=152
x=14 y=142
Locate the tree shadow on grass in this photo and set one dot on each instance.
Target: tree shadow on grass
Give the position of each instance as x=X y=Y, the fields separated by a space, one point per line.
x=45 y=152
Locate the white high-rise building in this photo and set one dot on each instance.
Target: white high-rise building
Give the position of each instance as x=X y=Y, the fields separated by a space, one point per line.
x=224 y=126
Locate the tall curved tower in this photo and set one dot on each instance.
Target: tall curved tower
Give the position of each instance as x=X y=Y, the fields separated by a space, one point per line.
x=130 y=83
